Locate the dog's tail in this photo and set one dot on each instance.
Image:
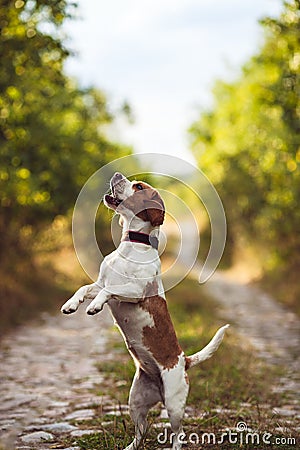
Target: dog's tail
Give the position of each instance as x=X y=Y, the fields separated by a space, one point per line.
x=208 y=350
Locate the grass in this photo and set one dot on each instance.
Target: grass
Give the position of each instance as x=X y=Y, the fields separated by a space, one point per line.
x=119 y=374
x=232 y=387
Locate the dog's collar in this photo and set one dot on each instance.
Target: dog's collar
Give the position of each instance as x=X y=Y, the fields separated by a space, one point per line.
x=135 y=236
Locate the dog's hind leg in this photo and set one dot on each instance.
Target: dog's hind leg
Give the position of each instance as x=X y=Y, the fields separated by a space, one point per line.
x=176 y=392
x=145 y=392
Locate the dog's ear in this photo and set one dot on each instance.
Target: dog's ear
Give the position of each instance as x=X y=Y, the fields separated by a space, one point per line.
x=155 y=208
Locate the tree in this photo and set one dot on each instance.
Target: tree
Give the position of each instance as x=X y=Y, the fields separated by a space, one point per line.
x=52 y=133
x=249 y=144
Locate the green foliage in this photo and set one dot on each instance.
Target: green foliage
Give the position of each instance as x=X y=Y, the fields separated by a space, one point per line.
x=52 y=133
x=249 y=144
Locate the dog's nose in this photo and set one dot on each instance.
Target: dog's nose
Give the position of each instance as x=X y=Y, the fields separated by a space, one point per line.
x=118 y=176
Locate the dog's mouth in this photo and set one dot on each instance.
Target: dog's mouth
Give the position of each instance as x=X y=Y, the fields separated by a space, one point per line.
x=112 y=200
x=116 y=188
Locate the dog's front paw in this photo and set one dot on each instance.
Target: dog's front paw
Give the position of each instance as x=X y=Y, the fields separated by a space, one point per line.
x=70 y=306
x=94 y=308
x=132 y=446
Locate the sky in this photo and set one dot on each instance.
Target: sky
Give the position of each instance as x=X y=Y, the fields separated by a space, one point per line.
x=162 y=56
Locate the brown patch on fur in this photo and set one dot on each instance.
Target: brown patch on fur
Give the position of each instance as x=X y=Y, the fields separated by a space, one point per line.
x=143 y=215
x=161 y=338
x=156 y=210
x=187 y=362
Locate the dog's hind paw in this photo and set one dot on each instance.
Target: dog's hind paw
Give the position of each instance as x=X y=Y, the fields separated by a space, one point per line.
x=132 y=446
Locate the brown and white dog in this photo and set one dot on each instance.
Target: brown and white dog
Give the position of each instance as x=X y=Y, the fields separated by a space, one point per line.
x=130 y=282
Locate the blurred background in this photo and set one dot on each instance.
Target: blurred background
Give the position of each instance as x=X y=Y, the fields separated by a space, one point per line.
x=215 y=83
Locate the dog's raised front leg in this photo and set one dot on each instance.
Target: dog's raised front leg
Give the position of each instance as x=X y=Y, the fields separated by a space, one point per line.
x=88 y=291
x=99 y=301
x=125 y=293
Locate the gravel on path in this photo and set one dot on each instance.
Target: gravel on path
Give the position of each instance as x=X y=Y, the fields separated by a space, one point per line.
x=47 y=373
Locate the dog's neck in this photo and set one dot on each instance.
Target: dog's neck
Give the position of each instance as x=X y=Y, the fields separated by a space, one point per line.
x=139 y=226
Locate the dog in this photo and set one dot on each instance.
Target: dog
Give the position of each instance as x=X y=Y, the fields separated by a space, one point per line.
x=130 y=283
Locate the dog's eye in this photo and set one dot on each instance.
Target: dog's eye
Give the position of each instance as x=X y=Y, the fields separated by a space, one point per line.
x=139 y=186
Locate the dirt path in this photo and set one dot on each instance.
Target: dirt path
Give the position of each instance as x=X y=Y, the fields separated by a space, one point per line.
x=272 y=329
x=47 y=372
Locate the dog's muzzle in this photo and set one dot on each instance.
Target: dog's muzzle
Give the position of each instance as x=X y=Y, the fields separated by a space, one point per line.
x=116 y=184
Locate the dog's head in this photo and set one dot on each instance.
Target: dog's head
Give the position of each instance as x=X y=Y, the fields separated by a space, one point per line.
x=135 y=199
